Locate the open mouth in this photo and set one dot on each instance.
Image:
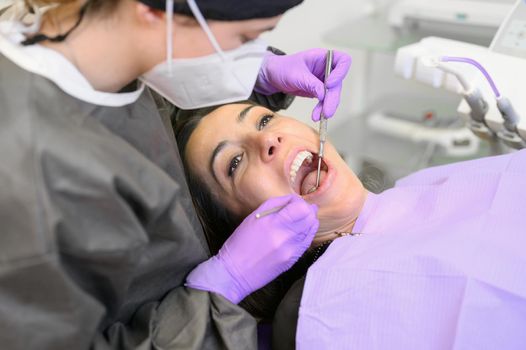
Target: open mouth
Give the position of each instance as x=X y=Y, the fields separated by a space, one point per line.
x=303 y=173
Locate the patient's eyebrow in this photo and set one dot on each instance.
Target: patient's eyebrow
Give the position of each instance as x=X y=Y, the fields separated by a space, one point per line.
x=244 y=113
x=216 y=151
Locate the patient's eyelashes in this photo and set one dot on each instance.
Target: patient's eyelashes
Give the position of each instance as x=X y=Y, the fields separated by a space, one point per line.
x=234 y=164
x=264 y=120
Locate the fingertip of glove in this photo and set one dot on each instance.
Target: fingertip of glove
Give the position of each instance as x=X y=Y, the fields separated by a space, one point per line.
x=316 y=112
x=332 y=101
x=310 y=233
x=329 y=110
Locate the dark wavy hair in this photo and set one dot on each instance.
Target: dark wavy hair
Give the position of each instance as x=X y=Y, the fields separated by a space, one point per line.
x=218 y=223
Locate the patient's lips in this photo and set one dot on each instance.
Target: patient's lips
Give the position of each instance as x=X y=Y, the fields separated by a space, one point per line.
x=303 y=172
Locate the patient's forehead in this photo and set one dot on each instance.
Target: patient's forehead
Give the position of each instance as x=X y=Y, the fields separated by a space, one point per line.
x=219 y=123
x=227 y=113
x=224 y=115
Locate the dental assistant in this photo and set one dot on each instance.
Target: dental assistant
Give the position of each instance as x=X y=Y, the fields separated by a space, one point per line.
x=99 y=234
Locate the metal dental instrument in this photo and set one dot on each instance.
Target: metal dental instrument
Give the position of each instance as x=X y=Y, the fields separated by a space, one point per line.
x=323 y=120
x=269 y=211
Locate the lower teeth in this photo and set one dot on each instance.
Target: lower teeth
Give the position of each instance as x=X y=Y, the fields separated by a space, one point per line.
x=311 y=190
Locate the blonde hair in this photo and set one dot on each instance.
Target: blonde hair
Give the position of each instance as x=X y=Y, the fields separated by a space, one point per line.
x=91 y=6
x=31 y=3
x=30 y=11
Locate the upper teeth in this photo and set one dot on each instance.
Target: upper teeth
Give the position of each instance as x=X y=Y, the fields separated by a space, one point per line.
x=296 y=164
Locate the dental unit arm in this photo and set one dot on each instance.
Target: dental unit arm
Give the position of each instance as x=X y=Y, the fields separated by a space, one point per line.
x=461 y=67
x=472 y=95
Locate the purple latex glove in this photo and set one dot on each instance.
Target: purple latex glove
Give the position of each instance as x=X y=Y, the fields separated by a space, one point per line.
x=302 y=74
x=259 y=250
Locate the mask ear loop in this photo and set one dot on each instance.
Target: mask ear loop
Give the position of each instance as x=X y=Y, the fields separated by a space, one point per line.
x=169 y=34
x=202 y=22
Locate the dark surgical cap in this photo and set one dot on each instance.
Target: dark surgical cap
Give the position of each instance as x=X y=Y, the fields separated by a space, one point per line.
x=230 y=10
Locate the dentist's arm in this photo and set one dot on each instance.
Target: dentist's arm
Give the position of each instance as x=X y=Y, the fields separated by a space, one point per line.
x=259 y=250
x=302 y=74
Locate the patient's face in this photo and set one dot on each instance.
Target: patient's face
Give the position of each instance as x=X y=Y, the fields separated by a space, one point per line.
x=247 y=154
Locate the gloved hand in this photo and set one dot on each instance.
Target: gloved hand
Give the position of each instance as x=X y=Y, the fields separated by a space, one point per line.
x=302 y=74
x=259 y=250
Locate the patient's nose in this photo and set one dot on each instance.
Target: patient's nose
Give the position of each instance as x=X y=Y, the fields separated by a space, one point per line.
x=270 y=145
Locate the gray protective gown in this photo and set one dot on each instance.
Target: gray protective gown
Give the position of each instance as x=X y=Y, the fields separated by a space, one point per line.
x=98 y=230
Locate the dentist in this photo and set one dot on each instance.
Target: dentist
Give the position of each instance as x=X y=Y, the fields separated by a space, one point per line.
x=100 y=240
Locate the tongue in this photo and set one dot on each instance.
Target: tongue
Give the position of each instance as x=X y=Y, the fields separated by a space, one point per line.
x=309 y=181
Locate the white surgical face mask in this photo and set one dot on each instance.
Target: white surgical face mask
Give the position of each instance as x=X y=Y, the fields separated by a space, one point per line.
x=223 y=77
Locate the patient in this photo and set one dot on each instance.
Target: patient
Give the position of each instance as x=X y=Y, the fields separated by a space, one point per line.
x=238 y=155
x=440 y=261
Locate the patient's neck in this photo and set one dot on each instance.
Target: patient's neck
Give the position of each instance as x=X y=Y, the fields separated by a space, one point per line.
x=331 y=235
x=335 y=226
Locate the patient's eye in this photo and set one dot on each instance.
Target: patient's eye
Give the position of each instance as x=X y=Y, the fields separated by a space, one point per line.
x=233 y=164
x=264 y=121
